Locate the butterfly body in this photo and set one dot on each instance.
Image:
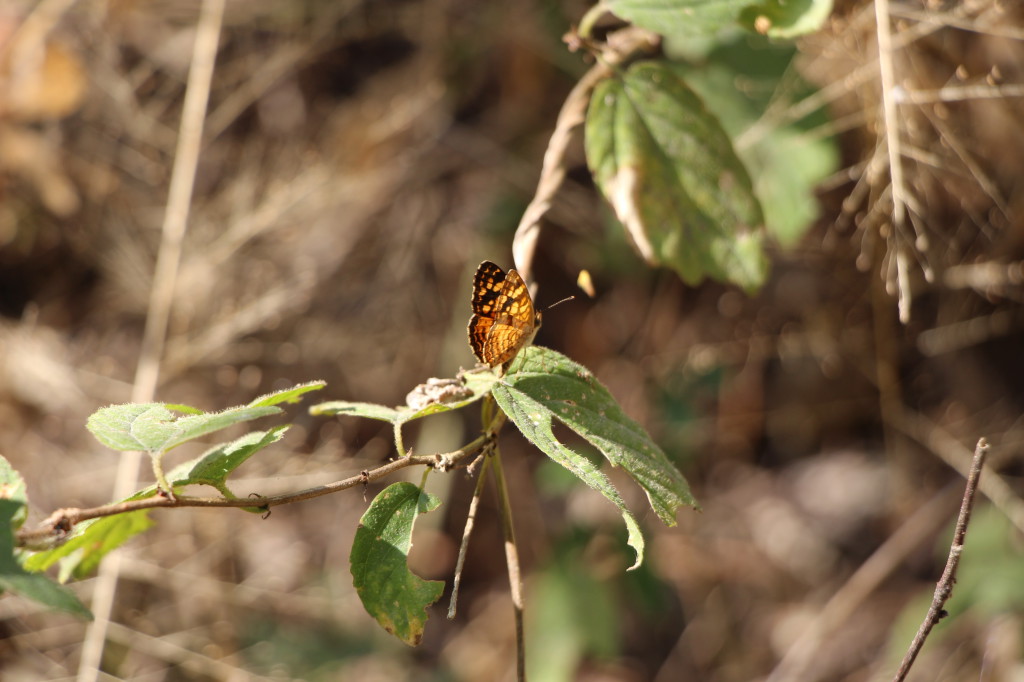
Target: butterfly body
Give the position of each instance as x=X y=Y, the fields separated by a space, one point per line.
x=504 y=317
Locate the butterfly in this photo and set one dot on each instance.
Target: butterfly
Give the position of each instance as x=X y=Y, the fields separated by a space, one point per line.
x=504 y=318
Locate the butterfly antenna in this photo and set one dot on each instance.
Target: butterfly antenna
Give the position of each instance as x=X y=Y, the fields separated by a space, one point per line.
x=564 y=300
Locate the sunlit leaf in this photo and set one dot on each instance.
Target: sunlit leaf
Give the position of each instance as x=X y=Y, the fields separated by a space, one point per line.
x=288 y=395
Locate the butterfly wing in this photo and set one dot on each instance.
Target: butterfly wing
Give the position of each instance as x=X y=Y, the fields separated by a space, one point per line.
x=504 y=319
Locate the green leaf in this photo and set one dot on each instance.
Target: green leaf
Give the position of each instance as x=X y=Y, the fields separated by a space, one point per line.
x=571 y=393
x=288 y=395
x=133 y=426
x=357 y=409
x=786 y=18
x=670 y=173
x=153 y=428
x=214 y=465
x=787 y=159
x=14 y=578
x=679 y=19
x=392 y=594
x=91 y=541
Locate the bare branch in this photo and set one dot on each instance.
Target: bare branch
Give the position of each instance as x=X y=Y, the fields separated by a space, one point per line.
x=60 y=523
x=944 y=588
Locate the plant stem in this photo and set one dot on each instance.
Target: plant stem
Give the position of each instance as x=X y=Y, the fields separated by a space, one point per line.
x=512 y=559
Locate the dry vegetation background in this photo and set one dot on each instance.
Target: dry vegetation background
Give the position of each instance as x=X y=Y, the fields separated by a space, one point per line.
x=359 y=160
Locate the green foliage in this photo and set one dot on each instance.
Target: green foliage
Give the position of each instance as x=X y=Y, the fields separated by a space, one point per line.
x=151 y=427
x=571 y=615
x=668 y=165
x=679 y=18
x=154 y=428
x=546 y=386
x=574 y=396
x=92 y=540
x=668 y=168
x=542 y=387
x=786 y=18
x=13 y=577
x=391 y=593
x=786 y=158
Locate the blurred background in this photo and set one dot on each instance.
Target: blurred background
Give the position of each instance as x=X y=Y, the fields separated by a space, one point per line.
x=359 y=160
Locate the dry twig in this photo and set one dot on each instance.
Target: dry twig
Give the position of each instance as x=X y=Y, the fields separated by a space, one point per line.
x=944 y=588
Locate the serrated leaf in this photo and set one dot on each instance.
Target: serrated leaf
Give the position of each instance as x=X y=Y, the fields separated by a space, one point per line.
x=670 y=173
x=783 y=19
x=92 y=541
x=289 y=395
x=153 y=428
x=534 y=421
x=393 y=595
x=194 y=426
x=214 y=465
x=571 y=393
x=679 y=19
x=14 y=578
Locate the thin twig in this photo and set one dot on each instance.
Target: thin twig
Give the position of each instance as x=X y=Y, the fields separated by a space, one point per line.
x=944 y=588
x=515 y=579
x=186 y=160
x=466 y=532
x=63 y=520
x=924 y=523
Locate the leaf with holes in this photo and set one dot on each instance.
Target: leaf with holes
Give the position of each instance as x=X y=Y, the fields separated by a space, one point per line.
x=390 y=592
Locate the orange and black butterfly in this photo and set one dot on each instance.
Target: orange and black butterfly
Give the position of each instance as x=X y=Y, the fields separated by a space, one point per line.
x=504 y=318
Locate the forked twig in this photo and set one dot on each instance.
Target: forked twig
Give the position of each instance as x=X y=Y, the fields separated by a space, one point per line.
x=944 y=588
